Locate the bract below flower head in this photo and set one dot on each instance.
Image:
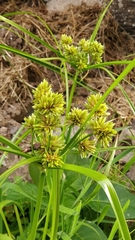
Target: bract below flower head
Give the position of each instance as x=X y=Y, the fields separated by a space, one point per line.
x=92 y=101
x=77 y=117
x=103 y=131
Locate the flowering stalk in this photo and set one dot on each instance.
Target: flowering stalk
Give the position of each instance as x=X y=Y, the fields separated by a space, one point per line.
x=56 y=198
x=53 y=137
x=38 y=206
x=72 y=92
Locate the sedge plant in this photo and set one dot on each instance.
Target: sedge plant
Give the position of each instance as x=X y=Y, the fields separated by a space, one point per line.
x=65 y=152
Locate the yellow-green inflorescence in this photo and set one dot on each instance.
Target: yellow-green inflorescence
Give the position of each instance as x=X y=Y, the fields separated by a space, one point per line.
x=48 y=107
x=46 y=125
x=82 y=54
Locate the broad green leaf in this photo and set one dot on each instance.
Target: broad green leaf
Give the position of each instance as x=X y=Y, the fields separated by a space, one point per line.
x=89 y=231
x=73 y=179
x=35 y=170
x=101 y=200
x=74 y=182
x=19 y=191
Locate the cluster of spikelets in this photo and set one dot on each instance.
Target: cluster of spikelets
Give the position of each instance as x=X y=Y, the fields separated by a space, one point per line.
x=83 y=53
x=46 y=121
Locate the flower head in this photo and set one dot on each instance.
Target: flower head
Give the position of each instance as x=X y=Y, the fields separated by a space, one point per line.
x=77 y=116
x=50 y=103
x=86 y=146
x=51 y=143
x=83 y=53
x=103 y=130
x=96 y=51
x=47 y=123
x=92 y=101
x=65 y=40
x=70 y=50
x=29 y=122
x=85 y=45
x=52 y=159
x=41 y=90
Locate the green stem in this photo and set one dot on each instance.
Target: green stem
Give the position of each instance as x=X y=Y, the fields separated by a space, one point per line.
x=1 y=221
x=5 y=224
x=47 y=215
x=56 y=197
x=67 y=86
x=72 y=92
x=32 y=235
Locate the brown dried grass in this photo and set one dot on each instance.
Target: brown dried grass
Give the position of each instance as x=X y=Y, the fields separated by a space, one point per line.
x=18 y=75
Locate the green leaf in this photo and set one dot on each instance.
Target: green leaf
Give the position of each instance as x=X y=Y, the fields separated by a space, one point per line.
x=35 y=170
x=101 y=200
x=9 y=143
x=89 y=231
x=4 y=237
x=16 y=152
x=4 y=203
x=73 y=179
x=68 y=211
x=99 y=22
x=109 y=190
x=64 y=236
x=19 y=191
x=74 y=182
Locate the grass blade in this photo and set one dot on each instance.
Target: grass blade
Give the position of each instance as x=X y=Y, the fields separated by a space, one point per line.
x=108 y=188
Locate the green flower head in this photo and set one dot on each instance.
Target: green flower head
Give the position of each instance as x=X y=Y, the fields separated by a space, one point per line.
x=92 y=100
x=77 y=116
x=85 y=45
x=52 y=159
x=82 y=53
x=103 y=130
x=50 y=103
x=86 y=146
x=82 y=63
x=66 y=40
x=51 y=143
x=29 y=122
x=47 y=123
x=41 y=90
x=70 y=50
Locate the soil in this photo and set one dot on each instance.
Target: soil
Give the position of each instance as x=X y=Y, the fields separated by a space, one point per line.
x=18 y=76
